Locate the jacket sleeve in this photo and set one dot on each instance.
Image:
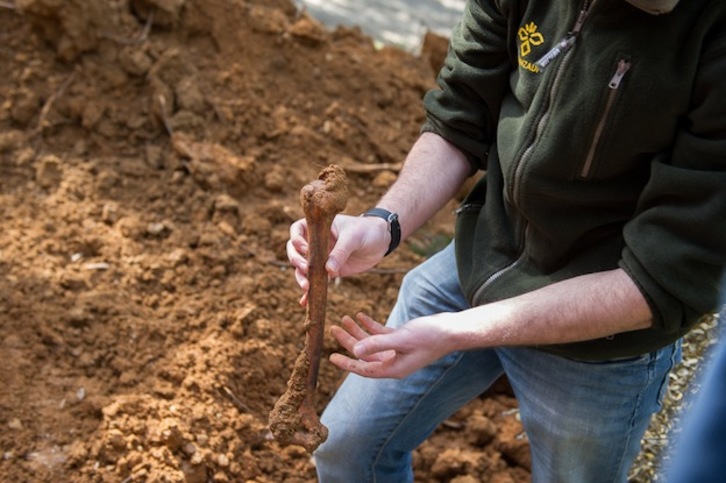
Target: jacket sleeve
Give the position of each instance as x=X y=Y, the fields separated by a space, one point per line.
x=676 y=243
x=465 y=108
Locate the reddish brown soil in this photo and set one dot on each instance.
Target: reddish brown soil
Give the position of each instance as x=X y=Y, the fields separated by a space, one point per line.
x=148 y=177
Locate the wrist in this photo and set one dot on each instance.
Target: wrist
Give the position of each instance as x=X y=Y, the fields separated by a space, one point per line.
x=394 y=226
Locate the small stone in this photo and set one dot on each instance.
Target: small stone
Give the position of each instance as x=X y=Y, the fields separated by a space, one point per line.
x=226 y=204
x=49 y=173
x=197 y=458
x=155 y=156
x=15 y=424
x=11 y=140
x=178 y=256
x=483 y=429
x=227 y=229
x=159 y=229
x=100 y=266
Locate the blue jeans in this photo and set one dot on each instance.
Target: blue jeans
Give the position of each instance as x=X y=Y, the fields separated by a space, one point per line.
x=584 y=420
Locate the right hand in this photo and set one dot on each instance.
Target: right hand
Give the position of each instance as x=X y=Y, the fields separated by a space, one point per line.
x=357 y=244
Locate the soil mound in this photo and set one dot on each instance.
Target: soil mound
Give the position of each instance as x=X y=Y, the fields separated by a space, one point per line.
x=151 y=157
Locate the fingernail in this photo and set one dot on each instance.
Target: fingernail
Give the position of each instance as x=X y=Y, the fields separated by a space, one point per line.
x=332 y=267
x=359 y=349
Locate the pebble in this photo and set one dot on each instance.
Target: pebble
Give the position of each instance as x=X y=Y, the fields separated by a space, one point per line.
x=155 y=229
x=16 y=424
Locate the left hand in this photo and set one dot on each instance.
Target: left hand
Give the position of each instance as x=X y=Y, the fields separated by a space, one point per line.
x=383 y=352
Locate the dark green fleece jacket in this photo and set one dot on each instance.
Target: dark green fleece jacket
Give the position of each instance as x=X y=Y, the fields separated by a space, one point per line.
x=601 y=125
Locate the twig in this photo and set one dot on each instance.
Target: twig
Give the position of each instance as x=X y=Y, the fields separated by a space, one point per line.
x=164 y=117
x=270 y=260
x=49 y=103
x=242 y=407
x=371 y=168
x=388 y=271
x=139 y=39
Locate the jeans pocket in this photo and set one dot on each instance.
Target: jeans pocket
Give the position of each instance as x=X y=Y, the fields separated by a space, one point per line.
x=640 y=359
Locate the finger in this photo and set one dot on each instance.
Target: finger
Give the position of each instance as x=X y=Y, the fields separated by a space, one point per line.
x=376 y=344
x=298 y=242
x=299 y=229
x=301 y=245
x=354 y=329
x=371 y=325
x=348 y=341
x=343 y=248
x=297 y=258
x=375 y=369
x=343 y=337
x=302 y=279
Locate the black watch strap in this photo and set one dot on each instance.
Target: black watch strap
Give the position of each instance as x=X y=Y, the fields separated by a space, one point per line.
x=393 y=225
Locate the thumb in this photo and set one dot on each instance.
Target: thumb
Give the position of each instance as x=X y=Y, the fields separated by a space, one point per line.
x=340 y=254
x=335 y=261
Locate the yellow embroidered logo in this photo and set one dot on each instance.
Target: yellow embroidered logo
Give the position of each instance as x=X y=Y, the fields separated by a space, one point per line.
x=529 y=36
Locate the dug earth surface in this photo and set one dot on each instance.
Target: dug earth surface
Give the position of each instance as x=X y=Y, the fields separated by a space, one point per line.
x=151 y=156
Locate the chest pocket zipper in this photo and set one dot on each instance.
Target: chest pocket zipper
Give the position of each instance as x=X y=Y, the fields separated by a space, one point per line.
x=614 y=86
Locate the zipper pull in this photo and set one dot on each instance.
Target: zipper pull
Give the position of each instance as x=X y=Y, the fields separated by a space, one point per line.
x=623 y=67
x=562 y=46
x=467 y=207
x=565 y=44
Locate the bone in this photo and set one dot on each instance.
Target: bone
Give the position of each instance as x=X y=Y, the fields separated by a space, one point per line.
x=294 y=419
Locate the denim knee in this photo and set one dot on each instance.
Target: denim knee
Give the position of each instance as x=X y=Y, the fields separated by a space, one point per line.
x=347 y=454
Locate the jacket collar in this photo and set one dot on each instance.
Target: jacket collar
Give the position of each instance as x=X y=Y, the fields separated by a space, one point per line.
x=655 y=7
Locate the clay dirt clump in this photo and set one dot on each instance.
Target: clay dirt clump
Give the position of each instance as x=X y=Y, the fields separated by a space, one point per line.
x=151 y=156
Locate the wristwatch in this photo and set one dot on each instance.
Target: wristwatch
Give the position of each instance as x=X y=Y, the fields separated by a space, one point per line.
x=393 y=226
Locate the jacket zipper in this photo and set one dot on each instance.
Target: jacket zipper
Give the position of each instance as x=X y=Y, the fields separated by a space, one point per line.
x=613 y=85
x=499 y=273
x=569 y=40
x=519 y=168
x=469 y=207
x=562 y=47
